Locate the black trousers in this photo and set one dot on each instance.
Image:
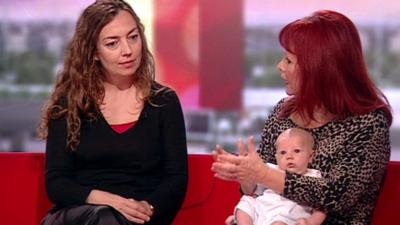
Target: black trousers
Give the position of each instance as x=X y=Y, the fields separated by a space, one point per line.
x=86 y=215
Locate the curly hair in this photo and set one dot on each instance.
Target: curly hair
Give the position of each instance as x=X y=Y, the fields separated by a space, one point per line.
x=79 y=89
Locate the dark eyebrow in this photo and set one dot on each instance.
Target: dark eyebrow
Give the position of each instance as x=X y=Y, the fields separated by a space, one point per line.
x=116 y=37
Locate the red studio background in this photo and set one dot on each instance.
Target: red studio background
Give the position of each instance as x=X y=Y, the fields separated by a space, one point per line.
x=199 y=48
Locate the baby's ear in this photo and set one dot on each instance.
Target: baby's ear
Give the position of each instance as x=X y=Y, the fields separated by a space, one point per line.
x=311 y=156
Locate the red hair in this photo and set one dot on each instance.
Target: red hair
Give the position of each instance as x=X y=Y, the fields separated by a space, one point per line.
x=332 y=71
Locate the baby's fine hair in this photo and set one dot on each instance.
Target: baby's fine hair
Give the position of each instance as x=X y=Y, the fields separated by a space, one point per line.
x=307 y=136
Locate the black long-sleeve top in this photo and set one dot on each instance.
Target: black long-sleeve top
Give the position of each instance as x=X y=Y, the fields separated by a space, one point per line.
x=147 y=162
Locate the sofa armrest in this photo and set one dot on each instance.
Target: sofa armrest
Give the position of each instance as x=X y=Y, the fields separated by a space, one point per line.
x=387 y=206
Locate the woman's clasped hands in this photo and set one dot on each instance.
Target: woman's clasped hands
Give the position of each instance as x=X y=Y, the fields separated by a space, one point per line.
x=135 y=211
x=247 y=168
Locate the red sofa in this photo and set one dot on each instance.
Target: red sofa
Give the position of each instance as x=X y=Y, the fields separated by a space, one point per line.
x=208 y=202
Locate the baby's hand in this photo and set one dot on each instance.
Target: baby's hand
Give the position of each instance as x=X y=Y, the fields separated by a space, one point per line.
x=230 y=220
x=301 y=221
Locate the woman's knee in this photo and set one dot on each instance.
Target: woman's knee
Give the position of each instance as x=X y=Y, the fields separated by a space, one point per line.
x=105 y=215
x=86 y=215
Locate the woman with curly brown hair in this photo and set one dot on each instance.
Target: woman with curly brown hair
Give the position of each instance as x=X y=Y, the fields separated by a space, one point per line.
x=116 y=146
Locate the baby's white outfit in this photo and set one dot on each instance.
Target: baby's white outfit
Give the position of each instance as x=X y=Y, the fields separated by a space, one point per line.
x=270 y=207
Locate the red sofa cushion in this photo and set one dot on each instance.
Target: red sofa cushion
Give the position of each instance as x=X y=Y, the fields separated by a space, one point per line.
x=23 y=197
x=208 y=200
x=387 y=206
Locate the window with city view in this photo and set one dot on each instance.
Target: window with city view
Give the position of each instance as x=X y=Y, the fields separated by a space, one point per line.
x=34 y=34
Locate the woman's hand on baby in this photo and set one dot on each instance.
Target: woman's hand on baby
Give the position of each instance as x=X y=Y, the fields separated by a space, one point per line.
x=135 y=211
x=247 y=167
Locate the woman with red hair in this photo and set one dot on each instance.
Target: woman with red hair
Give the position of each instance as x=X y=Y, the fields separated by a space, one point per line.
x=331 y=95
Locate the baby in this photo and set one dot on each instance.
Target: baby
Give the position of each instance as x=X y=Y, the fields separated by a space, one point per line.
x=294 y=151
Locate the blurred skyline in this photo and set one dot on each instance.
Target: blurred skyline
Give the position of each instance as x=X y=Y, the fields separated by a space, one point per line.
x=260 y=12
x=257 y=12
x=28 y=10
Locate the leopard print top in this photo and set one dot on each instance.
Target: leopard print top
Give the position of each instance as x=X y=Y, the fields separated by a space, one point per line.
x=352 y=155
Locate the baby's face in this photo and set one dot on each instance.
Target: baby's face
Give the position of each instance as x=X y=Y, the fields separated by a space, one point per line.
x=293 y=154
